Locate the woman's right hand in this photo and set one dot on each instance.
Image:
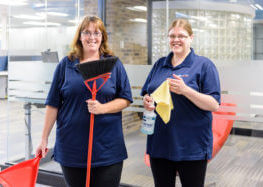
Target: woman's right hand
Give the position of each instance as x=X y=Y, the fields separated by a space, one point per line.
x=42 y=148
x=148 y=102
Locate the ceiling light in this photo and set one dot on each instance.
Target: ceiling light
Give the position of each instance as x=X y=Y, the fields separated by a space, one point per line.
x=140 y=20
x=202 y=18
x=29 y=17
x=256 y=106
x=138 y=8
x=43 y=14
x=180 y=15
x=13 y=2
x=259 y=6
x=41 y=23
x=197 y=30
x=256 y=93
x=142 y=8
x=57 y=14
x=75 y=21
x=38 y=5
x=253 y=6
x=235 y=16
x=212 y=25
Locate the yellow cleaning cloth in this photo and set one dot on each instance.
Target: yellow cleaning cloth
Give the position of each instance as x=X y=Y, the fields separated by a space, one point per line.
x=162 y=97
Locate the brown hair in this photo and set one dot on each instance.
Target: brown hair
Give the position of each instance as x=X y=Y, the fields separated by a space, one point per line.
x=183 y=23
x=76 y=45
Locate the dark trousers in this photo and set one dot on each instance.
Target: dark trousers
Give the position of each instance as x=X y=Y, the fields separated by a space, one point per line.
x=191 y=173
x=100 y=176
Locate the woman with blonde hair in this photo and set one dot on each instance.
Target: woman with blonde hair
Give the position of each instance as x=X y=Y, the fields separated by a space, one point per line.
x=69 y=103
x=184 y=144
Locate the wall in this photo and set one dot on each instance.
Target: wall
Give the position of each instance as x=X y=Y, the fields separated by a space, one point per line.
x=220 y=29
x=90 y=7
x=128 y=38
x=258 y=40
x=3 y=29
x=40 y=39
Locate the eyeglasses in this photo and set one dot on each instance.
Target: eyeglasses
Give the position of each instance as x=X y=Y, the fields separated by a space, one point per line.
x=89 y=34
x=180 y=37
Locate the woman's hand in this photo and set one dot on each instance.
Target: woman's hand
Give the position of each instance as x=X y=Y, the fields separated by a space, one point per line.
x=148 y=102
x=95 y=107
x=177 y=85
x=202 y=101
x=42 y=148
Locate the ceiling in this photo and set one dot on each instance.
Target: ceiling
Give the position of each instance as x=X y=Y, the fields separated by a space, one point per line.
x=37 y=13
x=30 y=13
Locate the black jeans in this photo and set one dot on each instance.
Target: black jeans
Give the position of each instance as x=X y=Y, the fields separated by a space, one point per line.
x=191 y=173
x=100 y=176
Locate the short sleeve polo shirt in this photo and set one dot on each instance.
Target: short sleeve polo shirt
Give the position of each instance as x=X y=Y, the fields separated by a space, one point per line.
x=188 y=135
x=68 y=93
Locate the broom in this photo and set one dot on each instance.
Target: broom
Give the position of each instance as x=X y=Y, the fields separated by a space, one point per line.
x=91 y=71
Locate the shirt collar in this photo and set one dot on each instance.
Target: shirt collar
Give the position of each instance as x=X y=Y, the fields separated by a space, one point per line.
x=188 y=61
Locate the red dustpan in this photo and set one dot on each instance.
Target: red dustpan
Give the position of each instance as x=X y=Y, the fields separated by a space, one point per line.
x=23 y=174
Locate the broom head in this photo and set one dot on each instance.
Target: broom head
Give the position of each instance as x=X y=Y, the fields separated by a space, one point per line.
x=95 y=68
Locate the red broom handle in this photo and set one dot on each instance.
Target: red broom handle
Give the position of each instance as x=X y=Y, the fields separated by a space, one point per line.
x=94 y=91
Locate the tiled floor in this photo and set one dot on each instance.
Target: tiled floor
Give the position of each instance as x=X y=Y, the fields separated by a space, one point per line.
x=238 y=164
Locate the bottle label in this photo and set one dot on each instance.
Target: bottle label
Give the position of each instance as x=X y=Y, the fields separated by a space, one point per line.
x=148 y=123
x=148 y=118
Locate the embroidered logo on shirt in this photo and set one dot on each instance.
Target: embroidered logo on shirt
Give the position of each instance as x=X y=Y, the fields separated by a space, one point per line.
x=183 y=75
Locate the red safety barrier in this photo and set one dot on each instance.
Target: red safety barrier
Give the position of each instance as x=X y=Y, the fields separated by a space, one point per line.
x=221 y=129
x=147 y=159
x=23 y=174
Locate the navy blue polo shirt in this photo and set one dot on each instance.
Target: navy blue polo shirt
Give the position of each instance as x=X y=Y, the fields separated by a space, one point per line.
x=188 y=135
x=68 y=93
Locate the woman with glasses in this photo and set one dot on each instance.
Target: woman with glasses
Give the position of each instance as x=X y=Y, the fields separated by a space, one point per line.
x=69 y=104
x=184 y=144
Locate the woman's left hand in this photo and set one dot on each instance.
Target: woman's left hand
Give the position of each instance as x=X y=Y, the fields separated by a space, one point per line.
x=95 y=107
x=177 y=85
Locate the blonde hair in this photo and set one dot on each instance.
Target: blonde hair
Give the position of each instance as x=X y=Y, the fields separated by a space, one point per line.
x=183 y=23
x=76 y=45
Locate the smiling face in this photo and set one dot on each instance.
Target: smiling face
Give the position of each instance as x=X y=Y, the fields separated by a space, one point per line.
x=91 y=38
x=179 y=41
